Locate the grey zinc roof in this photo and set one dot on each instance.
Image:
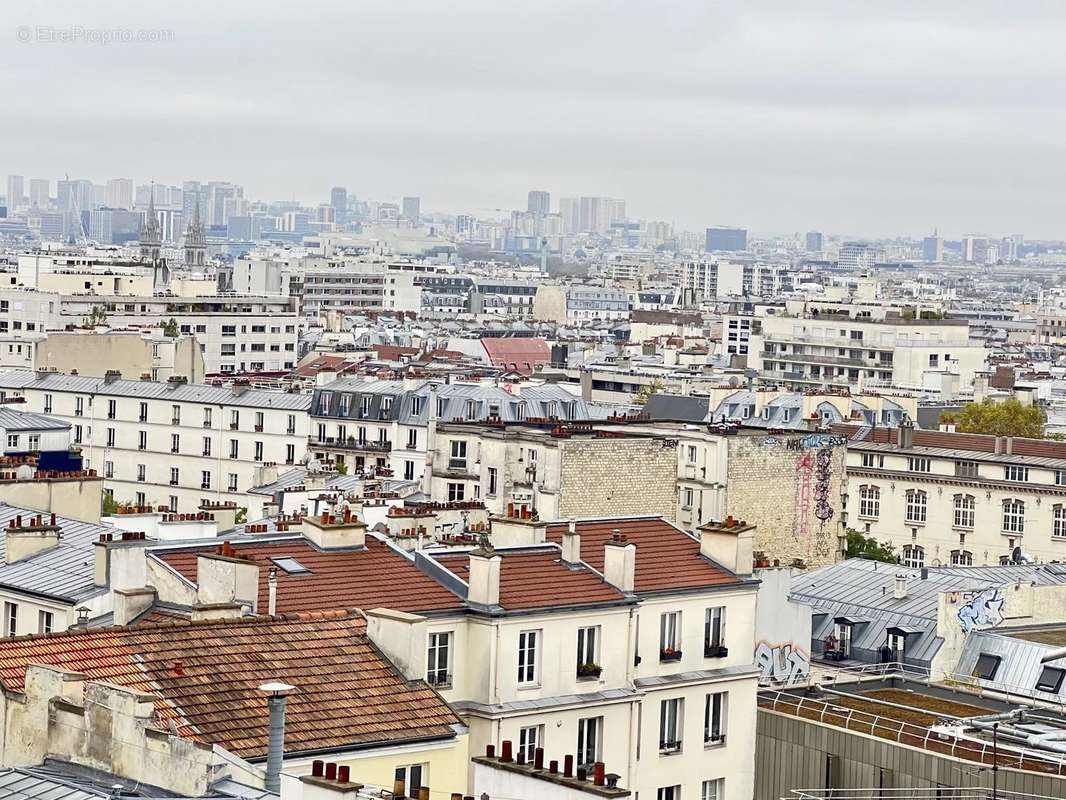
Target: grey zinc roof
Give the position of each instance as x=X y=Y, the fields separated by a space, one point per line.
x=677 y=407
x=863 y=591
x=13 y=420
x=1019 y=665
x=153 y=390
x=64 y=572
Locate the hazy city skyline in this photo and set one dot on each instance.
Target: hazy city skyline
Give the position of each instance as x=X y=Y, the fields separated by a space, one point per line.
x=868 y=121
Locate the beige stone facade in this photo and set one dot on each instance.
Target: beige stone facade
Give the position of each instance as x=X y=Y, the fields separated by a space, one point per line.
x=611 y=477
x=790 y=486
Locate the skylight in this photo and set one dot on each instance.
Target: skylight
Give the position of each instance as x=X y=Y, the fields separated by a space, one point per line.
x=290 y=565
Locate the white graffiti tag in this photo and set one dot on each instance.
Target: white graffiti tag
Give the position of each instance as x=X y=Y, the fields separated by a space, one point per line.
x=781 y=663
x=984 y=608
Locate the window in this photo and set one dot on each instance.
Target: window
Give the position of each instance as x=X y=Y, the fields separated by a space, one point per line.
x=140 y=473
x=173 y=504
x=77 y=434
x=143 y=415
x=714 y=631
x=233 y=448
x=232 y=483
x=917 y=504
x=142 y=440
x=965 y=469
x=175 y=443
x=713 y=789
x=438 y=660
x=458 y=457
x=291 y=429
x=670 y=725
x=1050 y=679
x=965 y=510
x=109 y=469
x=1060 y=477
x=34 y=442
x=456 y=492
x=258 y=451
x=668 y=793
x=111 y=409
x=714 y=715
x=869 y=501
x=913 y=556
x=918 y=464
x=986 y=666
x=1058 y=521
x=896 y=642
x=205 y=479
x=412 y=439
x=11 y=619
x=670 y=636
x=493 y=479
x=874 y=460
x=408 y=470
x=1013 y=472
x=45 y=621
x=588 y=652
x=1013 y=516
x=173 y=476
x=175 y=415
x=529 y=739
x=961 y=558
x=12 y=441
x=411 y=779
x=207 y=417
x=79 y=406
x=692 y=454
x=527 y=656
x=290 y=453
x=687 y=498
x=589 y=744
x=234 y=419
x=110 y=437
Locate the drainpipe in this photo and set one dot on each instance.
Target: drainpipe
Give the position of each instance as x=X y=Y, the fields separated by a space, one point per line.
x=272 y=591
x=277 y=696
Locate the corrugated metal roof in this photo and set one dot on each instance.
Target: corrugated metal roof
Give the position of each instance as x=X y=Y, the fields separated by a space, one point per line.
x=65 y=571
x=14 y=420
x=154 y=390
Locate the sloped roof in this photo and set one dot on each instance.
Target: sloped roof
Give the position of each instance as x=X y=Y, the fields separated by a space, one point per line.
x=668 y=558
x=376 y=576
x=524 y=352
x=537 y=578
x=12 y=419
x=207 y=676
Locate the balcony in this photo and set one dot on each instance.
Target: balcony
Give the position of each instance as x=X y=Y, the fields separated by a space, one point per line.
x=457 y=463
x=258 y=428
x=713 y=739
x=207 y=423
x=351 y=443
x=804 y=358
x=589 y=672
x=715 y=651
x=234 y=426
x=439 y=680
x=668 y=654
x=205 y=485
x=670 y=747
x=175 y=420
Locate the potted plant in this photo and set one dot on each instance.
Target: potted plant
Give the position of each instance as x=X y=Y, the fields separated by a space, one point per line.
x=589 y=671
x=669 y=654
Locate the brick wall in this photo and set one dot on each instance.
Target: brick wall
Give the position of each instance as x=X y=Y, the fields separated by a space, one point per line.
x=605 y=477
x=789 y=486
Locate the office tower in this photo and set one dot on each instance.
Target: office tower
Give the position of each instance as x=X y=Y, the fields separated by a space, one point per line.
x=539 y=202
x=933 y=248
x=193 y=193
x=74 y=195
x=16 y=197
x=39 y=189
x=728 y=239
x=218 y=192
x=570 y=211
x=119 y=193
x=464 y=223
x=814 y=241
x=411 y=208
x=338 y=198
x=326 y=214
x=616 y=210
x=857 y=255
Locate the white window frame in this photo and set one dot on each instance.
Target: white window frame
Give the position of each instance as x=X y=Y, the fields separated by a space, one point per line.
x=439 y=659
x=917 y=506
x=671 y=724
x=1058 y=521
x=589 y=741
x=965 y=511
x=1013 y=516
x=869 y=501
x=528 y=662
x=715 y=718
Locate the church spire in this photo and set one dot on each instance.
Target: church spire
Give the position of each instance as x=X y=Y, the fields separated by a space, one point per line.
x=195 y=238
x=151 y=236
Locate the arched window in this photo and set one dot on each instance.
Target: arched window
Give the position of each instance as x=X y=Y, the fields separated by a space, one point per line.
x=913 y=555
x=961 y=558
x=965 y=508
x=1013 y=516
x=1058 y=521
x=869 y=501
x=917 y=505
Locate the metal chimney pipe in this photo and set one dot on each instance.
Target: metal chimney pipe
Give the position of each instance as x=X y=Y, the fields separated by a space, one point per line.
x=277 y=697
x=272 y=591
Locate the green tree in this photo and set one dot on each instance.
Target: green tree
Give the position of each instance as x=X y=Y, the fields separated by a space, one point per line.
x=647 y=390
x=98 y=316
x=241 y=516
x=1009 y=418
x=108 y=505
x=171 y=328
x=860 y=546
x=342 y=469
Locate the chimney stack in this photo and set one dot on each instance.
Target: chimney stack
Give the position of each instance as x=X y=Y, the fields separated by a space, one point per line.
x=620 y=562
x=906 y=435
x=571 y=544
x=272 y=591
x=29 y=536
x=333 y=531
x=730 y=543
x=900 y=590
x=226 y=578
x=277 y=696
x=484 y=588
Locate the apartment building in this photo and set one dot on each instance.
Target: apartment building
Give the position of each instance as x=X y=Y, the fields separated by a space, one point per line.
x=173 y=444
x=358 y=289
x=841 y=345
x=623 y=641
x=502 y=297
x=708 y=279
x=953 y=498
x=575 y=304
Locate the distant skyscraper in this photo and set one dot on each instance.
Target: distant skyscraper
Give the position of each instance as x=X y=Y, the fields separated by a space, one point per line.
x=464 y=223
x=338 y=198
x=728 y=239
x=411 y=208
x=933 y=248
x=539 y=202
x=119 y=193
x=74 y=195
x=814 y=242
x=39 y=192
x=570 y=211
x=857 y=255
x=16 y=192
x=193 y=193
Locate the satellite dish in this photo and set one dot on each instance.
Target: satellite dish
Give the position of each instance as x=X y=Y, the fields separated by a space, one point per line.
x=1019 y=556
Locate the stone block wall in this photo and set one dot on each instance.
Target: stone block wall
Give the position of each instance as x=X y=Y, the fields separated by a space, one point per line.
x=613 y=477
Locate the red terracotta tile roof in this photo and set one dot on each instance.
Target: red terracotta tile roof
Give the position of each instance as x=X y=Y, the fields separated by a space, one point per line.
x=393 y=352
x=972 y=442
x=207 y=675
x=332 y=363
x=377 y=576
x=538 y=579
x=522 y=354
x=667 y=558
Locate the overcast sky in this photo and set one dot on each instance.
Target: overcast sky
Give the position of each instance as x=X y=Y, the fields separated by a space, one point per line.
x=862 y=118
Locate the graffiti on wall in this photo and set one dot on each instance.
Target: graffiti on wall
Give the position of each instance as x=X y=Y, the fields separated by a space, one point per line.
x=822 y=510
x=983 y=608
x=812 y=441
x=781 y=663
x=805 y=474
